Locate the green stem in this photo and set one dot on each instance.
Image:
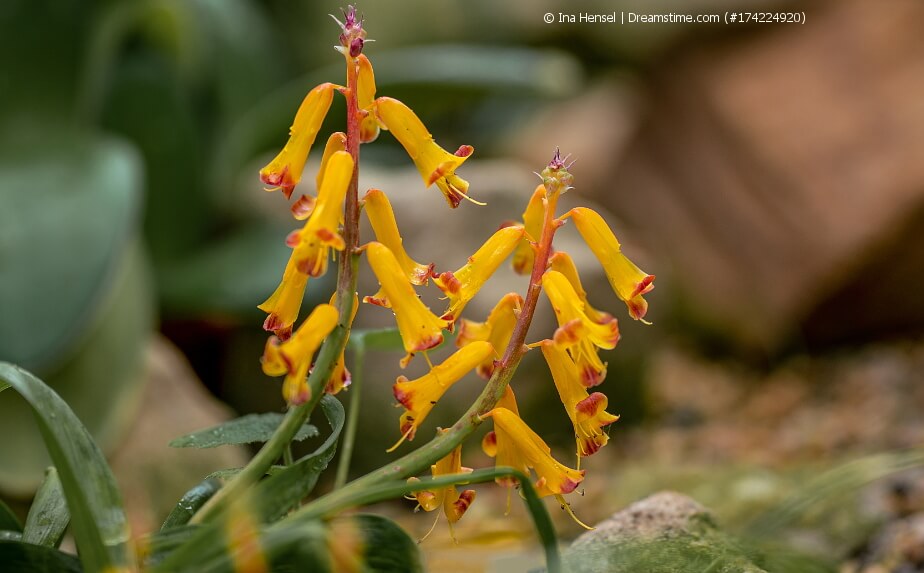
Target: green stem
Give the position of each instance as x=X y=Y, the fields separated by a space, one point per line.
x=333 y=346
x=287 y=455
x=324 y=508
x=349 y=437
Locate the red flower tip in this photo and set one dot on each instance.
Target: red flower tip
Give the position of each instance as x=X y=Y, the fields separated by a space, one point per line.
x=464 y=151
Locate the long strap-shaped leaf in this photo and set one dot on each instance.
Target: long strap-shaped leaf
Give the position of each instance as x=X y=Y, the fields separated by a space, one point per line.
x=99 y=525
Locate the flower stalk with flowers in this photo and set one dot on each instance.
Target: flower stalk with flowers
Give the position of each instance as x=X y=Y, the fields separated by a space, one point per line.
x=310 y=355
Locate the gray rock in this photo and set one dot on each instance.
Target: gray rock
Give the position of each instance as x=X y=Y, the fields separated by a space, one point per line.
x=665 y=533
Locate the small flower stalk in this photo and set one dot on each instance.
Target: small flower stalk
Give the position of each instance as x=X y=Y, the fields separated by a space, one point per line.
x=491 y=349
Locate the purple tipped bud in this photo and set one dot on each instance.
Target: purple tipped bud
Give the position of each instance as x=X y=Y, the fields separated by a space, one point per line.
x=555 y=177
x=353 y=36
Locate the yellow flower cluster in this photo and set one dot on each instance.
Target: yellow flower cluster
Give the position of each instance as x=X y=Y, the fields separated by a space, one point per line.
x=572 y=352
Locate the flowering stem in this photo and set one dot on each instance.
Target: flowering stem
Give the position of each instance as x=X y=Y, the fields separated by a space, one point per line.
x=444 y=442
x=334 y=344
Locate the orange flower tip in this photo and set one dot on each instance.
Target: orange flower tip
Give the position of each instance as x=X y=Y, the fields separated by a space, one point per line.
x=489 y=444
x=303 y=207
x=448 y=283
x=273 y=323
x=645 y=286
x=331 y=238
x=422 y=275
x=301 y=396
x=293 y=238
x=461 y=505
x=376 y=301
x=281 y=180
x=592 y=404
x=405 y=397
x=591 y=377
x=429 y=342
x=568 y=333
x=638 y=308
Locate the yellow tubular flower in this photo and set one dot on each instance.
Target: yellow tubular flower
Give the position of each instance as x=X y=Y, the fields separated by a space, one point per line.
x=340 y=377
x=521 y=448
x=453 y=503
x=365 y=94
x=587 y=411
x=435 y=164
x=313 y=243
x=524 y=255
x=419 y=396
x=420 y=329
x=285 y=171
x=382 y=217
x=577 y=332
x=497 y=330
x=293 y=357
x=629 y=282
x=489 y=442
x=563 y=263
x=460 y=286
x=283 y=305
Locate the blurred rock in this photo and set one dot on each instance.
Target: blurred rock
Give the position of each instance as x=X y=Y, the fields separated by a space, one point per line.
x=777 y=176
x=151 y=475
x=667 y=531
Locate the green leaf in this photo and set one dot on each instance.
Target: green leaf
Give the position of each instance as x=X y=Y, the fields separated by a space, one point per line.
x=283 y=490
x=88 y=205
x=3 y=386
x=244 y=430
x=21 y=557
x=271 y=499
x=383 y=546
x=48 y=517
x=99 y=525
x=190 y=503
x=8 y=519
x=162 y=543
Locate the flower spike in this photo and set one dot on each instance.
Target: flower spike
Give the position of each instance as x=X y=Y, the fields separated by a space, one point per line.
x=419 y=396
x=629 y=282
x=587 y=411
x=497 y=329
x=285 y=171
x=382 y=217
x=519 y=447
x=577 y=332
x=435 y=164
x=313 y=243
x=462 y=285
x=420 y=329
x=524 y=255
x=293 y=357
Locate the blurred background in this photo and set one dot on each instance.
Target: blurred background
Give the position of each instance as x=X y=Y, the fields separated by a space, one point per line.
x=770 y=175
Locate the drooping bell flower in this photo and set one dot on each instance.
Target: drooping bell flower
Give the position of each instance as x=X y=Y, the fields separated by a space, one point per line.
x=365 y=95
x=629 y=282
x=285 y=171
x=435 y=164
x=340 y=377
x=419 y=396
x=524 y=255
x=304 y=206
x=382 y=218
x=517 y=446
x=508 y=401
x=462 y=285
x=313 y=242
x=497 y=329
x=293 y=357
x=454 y=504
x=580 y=335
x=283 y=305
x=563 y=263
x=587 y=411
x=420 y=329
